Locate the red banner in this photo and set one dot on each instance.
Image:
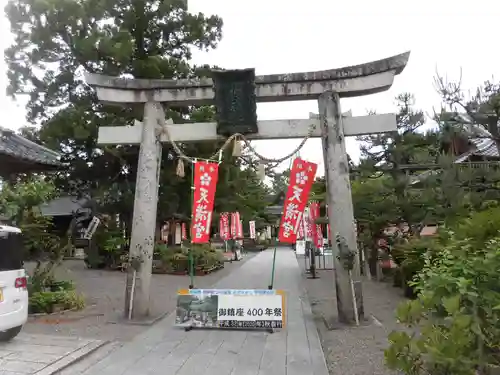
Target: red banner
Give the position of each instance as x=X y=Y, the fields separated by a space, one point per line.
x=328 y=232
x=301 y=180
x=317 y=235
x=205 y=183
x=236 y=226
x=239 y=232
x=232 y=233
x=251 y=229
x=300 y=234
x=224 y=226
x=183 y=231
x=309 y=227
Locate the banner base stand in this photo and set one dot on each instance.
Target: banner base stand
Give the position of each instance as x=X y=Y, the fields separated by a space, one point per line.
x=268 y=330
x=313 y=274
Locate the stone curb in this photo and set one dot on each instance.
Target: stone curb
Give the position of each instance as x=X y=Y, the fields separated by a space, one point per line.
x=72 y=358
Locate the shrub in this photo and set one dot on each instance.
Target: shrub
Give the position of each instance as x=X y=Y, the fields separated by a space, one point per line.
x=456 y=318
x=410 y=255
x=176 y=259
x=53 y=301
x=53 y=295
x=477 y=229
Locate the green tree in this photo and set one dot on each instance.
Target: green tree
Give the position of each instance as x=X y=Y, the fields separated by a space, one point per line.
x=279 y=181
x=56 y=40
x=392 y=154
x=463 y=120
x=21 y=203
x=453 y=323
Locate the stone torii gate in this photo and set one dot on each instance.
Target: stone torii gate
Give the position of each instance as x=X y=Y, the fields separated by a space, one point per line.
x=326 y=86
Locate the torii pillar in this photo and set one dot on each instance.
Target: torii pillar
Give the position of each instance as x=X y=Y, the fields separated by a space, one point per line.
x=326 y=86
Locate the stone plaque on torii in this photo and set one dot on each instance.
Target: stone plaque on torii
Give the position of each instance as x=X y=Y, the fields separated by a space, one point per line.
x=326 y=86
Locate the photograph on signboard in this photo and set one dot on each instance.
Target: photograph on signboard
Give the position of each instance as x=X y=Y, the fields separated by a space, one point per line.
x=197 y=310
x=230 y=308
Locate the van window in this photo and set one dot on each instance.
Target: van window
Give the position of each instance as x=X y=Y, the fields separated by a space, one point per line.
x=11 y=251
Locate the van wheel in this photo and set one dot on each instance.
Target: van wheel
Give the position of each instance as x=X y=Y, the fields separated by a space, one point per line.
x=9 y=334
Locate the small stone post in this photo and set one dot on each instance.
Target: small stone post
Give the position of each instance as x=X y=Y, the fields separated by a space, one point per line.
x=339 y=200
x=144 y=220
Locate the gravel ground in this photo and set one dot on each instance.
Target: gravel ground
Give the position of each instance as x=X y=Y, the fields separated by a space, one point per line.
x=105 y=294
x=354 y=350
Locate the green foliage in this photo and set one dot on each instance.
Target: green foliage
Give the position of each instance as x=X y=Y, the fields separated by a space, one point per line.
x=479 y=227
x=409 y=255
x=456 y=317
x=279 y=182
x=53 y=296
x=239 y=189
x=346 y=256
x=111 y=247
x=48 y=284
x=146 y=39
x=21 y=202
x=114 y=242
x=49 y=302
x=374 y=207
x=391 y=153
x=453 y=326
x=176 y=258
x=456 y=313
x=24 y=197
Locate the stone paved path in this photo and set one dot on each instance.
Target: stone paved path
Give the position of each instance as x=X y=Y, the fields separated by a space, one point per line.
x=167 y=350
x=105 y=304
x=42 y=354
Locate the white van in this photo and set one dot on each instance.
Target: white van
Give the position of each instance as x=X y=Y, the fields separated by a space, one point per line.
x=13 y=283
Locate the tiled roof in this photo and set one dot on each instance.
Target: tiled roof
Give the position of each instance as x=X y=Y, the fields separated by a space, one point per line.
x=14 y=145
x=481 y=146
x=274 y=210
x=62 y=206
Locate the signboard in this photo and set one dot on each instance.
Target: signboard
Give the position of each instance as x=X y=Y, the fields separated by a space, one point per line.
x=230 y=308
x=89 y=232
x=178 y=234
x=300 y=247
x=237 y=254
x=165 y=231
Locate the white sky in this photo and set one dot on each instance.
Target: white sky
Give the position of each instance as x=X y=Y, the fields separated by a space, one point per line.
x=280 y=36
